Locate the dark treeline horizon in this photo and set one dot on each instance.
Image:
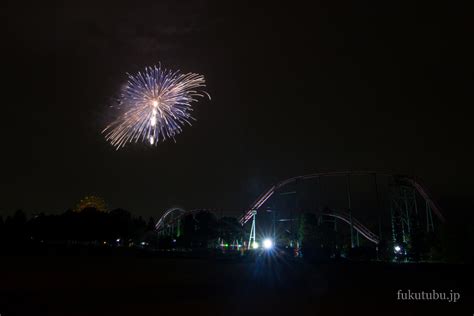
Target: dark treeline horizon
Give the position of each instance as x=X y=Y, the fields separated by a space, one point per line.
x=116 y=228
x=88 y=224
x=201 y=230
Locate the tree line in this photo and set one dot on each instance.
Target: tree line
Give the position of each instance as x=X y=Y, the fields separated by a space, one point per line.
x=87 y=226
x=453 y=241
x=117 y=227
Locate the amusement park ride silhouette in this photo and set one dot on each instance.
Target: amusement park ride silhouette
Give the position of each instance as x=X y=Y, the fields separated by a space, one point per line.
x=405 y=194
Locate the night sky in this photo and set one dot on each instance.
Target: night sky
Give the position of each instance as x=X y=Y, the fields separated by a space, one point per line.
x=295 y=90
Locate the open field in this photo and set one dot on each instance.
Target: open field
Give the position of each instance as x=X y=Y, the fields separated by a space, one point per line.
x=121 y=285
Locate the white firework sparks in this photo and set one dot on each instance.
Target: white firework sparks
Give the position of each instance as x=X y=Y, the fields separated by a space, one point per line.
x=156 y=105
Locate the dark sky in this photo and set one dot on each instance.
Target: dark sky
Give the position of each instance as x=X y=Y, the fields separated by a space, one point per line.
x=295 y=89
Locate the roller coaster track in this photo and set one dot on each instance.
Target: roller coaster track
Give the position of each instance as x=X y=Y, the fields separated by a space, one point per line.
x=415 y=183
x=344 y=216
x=162 y=224
x=358 y=226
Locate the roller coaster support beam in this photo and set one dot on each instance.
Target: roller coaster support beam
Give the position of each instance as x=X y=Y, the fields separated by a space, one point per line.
x=348 y=186
x=252 y=231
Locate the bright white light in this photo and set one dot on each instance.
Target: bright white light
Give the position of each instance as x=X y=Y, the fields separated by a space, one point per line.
x=153 y=121
x=152 y=140
x=155 y=103
x=118 y=240
x=397 y=248
x=255 y=245
x=142 y=243
x=268 y=244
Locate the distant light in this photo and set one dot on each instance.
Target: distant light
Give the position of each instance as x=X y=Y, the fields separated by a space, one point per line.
x=255 y=245
x=118 y=240
x=142 y=243
x=397 y=248
x=268 y=243
x=174 y=240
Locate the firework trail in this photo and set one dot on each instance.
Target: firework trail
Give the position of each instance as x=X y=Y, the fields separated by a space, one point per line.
x=156 y=104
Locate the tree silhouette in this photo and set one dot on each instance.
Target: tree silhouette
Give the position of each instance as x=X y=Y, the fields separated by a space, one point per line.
x=151 y=224
x=206 y=230
x=121 y=225
x=189 y=226
x=229 y=229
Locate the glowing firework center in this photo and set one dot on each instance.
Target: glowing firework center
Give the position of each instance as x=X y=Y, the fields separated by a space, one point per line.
x=153 y=120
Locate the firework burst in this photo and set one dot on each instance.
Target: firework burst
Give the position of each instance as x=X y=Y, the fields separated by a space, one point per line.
x=155 y=106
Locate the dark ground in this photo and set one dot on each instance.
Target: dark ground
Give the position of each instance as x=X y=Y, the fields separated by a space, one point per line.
x=140 y=285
